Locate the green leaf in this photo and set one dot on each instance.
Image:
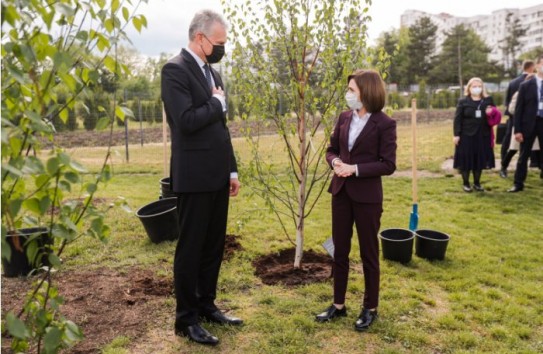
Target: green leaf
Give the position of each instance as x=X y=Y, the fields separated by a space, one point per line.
x=64 y=158
x=62 y=60
x=65 y=186
x=6 y=249
x=109 y=25
x=91 y=187
x=126 y=13
x=128 y=112
x=77 y=166
x=44 y=204
x=54 y=260
x=16 y=327
x=52 y=340
x=120 y=113
x=63 y=232
x=10 y=14
x=103 y=123
x=72 y=332
x=10 y=169
x=115 y=5
x=63 y=114
x=143 y=20
x=52 y=165
x=106 y=174
x=32 y=250
x=33 y=204
x=71 y=177
x=110 y=64
x=137 y=24
x=14 y=206
x=16 y=74
x=64 y=9
x=103 y=43
x=83 y=36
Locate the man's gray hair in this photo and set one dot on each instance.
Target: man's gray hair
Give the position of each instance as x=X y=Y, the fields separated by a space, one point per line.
x=203 y=21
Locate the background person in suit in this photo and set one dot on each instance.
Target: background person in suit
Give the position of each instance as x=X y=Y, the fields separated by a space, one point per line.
x=203 y=173
x=514 y=145
x=362 y=149
x=528 y=123
x=506 y=152
x=472 y=134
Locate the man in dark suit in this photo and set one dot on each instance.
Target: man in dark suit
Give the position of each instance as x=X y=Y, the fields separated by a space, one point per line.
x=203 y=173
x=506 y=154
x=528 y=122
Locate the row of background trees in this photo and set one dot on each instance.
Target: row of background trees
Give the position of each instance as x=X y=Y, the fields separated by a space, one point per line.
x=416 y=71
x=464 y=54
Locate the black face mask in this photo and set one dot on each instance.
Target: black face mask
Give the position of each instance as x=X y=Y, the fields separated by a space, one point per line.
x=216 y=54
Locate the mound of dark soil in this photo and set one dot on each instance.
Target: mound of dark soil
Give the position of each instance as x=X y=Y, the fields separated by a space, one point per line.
x=278 y=268
x=104 y=302
x=231 y=246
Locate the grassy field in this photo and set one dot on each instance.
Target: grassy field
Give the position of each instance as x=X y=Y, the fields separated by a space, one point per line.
x=486 y=296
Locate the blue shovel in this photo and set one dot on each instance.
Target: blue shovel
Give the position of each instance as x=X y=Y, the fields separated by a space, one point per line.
x=414 y=218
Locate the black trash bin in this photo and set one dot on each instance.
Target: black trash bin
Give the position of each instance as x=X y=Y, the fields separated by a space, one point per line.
x=165 y=191
x=159 y=219
x=19 y=264
x=431 y=244
x=397 y=244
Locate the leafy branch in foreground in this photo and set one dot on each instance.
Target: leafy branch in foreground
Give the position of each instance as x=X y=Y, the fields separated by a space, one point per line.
x=53 y=54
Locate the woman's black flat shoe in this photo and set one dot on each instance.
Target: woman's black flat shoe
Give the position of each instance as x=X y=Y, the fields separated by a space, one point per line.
x=331 y=313
x=365 y=319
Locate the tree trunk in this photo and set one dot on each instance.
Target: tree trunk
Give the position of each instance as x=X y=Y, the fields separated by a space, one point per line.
x=301 y=190
x=300 y=223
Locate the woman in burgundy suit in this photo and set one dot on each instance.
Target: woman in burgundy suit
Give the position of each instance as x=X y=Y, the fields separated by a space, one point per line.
x=362 y=149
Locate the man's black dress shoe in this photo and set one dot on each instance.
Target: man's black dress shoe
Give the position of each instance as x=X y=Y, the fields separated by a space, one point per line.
x=220 y=318
x=197 y=334
x=503 y=173
x=331 y=313
x=515 y=189
x=365 y=319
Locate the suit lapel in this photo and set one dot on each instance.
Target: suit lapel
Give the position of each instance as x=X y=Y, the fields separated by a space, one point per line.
x=344 y=138
x=372 y=121
x=196 y=70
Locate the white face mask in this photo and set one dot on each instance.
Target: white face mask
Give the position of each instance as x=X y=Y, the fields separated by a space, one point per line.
x=352 y=100
x=476 y=90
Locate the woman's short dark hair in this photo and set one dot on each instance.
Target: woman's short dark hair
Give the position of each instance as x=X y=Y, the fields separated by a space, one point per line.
x=372 y=89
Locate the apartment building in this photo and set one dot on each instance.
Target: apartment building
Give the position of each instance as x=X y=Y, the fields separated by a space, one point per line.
x=492 y=28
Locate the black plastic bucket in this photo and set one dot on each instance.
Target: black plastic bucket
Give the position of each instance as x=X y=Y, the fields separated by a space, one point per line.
x=397 y=244
x=165 y=191
x=19 y=264
x=431 y=244
x=159 y=219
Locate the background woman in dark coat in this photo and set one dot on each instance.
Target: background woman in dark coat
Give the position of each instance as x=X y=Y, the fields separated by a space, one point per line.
x=473 y=152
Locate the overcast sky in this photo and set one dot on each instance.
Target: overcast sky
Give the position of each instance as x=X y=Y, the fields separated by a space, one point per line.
x=168 y=20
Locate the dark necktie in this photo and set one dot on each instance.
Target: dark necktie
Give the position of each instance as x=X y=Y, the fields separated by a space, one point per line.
x=208 y=75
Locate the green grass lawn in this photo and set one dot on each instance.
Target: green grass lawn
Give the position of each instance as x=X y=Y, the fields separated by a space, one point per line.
x=486 y=296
